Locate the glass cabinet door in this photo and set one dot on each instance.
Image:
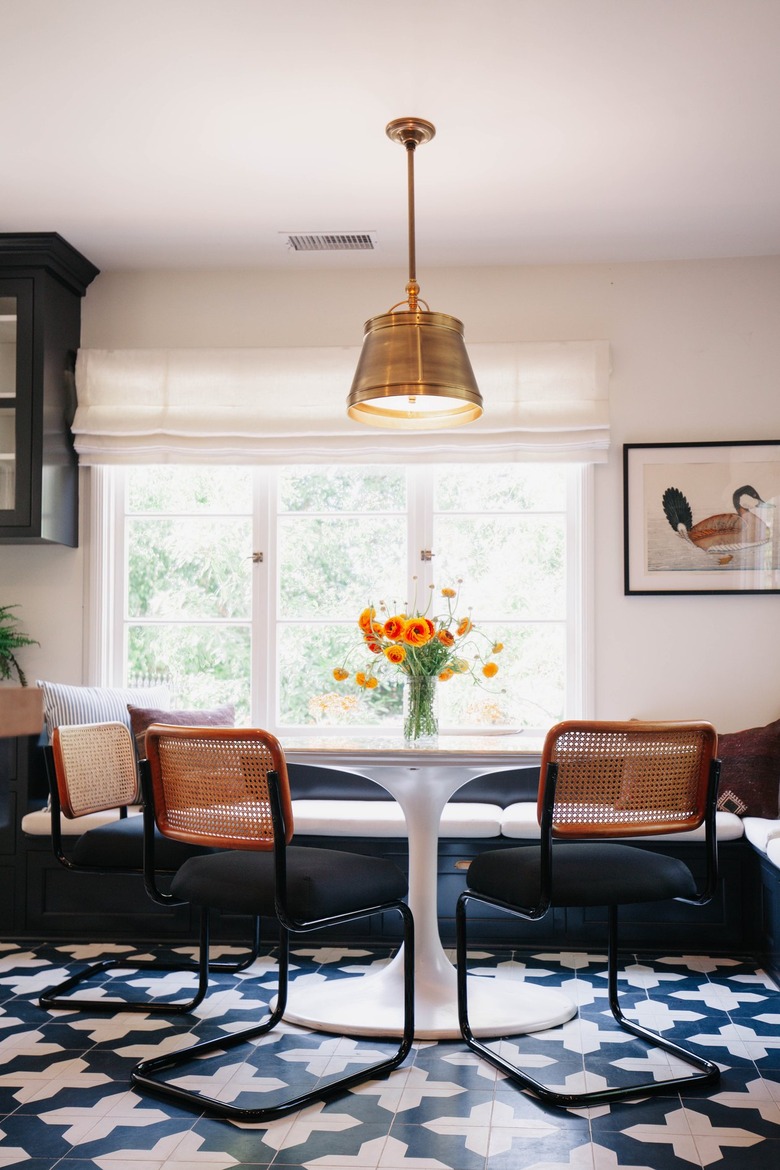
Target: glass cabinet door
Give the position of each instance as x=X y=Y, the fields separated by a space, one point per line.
x=8 y=322
x=15 y=396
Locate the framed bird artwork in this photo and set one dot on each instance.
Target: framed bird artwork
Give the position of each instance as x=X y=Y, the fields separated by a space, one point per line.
x=701 y=517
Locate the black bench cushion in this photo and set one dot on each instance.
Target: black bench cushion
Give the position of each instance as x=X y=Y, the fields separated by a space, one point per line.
x=119 y=845
x=315 y=782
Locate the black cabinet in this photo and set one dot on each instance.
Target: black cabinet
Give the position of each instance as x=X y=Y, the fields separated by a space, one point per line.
x=42 y=281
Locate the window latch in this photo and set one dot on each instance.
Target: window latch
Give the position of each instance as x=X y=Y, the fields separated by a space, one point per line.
x=257 y=558
x=426 y=554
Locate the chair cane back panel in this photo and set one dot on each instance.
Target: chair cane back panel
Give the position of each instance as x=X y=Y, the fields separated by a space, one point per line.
x=95 y=767
x=628 y=779
x=210 y=785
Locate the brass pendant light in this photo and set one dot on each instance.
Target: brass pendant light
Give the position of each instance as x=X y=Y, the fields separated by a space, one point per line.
x=414 y=372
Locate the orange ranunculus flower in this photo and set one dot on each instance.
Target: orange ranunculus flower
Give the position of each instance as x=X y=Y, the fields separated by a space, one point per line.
x=395 y=654
x=446 y=638
x=418 y=631
x=394 y=628
x=464 y=627
x=497 y=647
x=377 y=629
x=360 y=679
x=340 y=674
x=366 y=618
x=490 y=670
x=373 y=646
x=446 y=675
x=448 y=593
x=371 y=682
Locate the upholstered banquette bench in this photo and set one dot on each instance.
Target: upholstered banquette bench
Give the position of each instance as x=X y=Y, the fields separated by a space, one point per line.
x=333 y=806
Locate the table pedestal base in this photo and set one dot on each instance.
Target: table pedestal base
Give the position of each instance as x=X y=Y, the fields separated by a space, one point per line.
x=373 y=1005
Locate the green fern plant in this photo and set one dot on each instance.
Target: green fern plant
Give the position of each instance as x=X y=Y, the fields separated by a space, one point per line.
x=11 y=639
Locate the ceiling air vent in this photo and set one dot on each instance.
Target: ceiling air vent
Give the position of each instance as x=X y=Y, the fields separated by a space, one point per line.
x=331 y=241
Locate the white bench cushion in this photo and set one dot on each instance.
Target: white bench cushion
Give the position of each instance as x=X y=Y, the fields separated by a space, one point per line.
x=384 y=818
x=519 y=821
x=760 y=831
x=332 y=818
x=38 y=823
x=773 y=850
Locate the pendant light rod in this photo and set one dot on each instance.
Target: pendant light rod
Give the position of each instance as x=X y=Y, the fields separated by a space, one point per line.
x=411 y=133
x=412 y=287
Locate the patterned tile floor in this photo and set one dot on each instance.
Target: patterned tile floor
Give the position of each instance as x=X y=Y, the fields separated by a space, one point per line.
x=65 y=1100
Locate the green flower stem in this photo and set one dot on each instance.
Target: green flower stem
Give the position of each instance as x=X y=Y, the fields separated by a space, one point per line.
x=421 y=723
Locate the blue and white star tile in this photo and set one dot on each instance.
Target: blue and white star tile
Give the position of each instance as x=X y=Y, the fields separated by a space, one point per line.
x=65 y=1098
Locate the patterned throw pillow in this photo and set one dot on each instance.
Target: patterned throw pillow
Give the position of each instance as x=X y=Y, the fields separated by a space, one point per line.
x=63 y=704
x=750 y=771
x=143 y=717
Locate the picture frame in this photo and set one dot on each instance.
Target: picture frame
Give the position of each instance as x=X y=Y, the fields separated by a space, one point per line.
x=701 y=517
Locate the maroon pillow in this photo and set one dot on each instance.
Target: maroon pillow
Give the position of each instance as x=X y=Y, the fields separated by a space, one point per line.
x=750 y=771
x=143 y=717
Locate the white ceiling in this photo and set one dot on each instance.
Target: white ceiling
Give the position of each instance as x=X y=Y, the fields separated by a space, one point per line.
x=172 y=133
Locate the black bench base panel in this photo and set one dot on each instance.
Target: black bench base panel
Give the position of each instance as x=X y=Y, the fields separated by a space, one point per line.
x=769 y=910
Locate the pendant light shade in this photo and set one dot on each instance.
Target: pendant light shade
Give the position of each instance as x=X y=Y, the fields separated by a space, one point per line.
x=414 y=372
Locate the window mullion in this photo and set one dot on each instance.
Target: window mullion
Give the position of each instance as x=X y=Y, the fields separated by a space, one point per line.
x=579 y=592
x=420 y=532
x=265 y=597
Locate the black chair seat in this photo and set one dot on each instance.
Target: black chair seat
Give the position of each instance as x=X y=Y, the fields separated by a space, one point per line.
x=583 y=874
x=120 y=845
x=321 y=883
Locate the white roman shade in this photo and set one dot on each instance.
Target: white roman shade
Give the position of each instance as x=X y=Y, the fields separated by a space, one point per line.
x=543 y=401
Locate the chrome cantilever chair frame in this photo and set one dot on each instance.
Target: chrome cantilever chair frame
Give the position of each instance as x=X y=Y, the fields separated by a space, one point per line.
x=257 y=818
x=566 y=811
x=92 y=768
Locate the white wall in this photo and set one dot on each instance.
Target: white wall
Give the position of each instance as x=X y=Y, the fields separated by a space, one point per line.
x=696 y=357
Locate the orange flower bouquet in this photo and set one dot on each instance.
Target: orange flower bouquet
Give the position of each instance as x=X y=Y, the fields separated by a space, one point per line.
x=425 y=650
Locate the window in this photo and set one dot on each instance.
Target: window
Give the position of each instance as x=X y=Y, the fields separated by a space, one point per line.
x=244 y=584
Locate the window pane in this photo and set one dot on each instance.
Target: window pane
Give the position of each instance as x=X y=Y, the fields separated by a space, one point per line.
x=190 y=489
x=501 y=488
x=195 y=567
x=342 y=489
x=529 y=689
x=205 y=665
x=511 y=567
x=332 y=568
x=308 y=693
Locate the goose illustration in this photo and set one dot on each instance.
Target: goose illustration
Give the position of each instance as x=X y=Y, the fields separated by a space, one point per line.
x=724 y=533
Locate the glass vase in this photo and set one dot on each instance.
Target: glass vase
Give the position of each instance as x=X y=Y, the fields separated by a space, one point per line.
x=421 y=712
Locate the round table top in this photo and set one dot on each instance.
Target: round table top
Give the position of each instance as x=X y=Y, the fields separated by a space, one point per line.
x=506 y=749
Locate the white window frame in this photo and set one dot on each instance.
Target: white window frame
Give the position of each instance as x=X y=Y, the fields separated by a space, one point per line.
x=104 y=586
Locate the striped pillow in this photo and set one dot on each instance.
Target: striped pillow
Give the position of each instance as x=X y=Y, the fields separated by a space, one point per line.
x=63 y=704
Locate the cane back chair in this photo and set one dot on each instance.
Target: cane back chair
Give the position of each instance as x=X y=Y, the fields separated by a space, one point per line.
x=602 y=781
x=229 y=787
x=92 y=769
